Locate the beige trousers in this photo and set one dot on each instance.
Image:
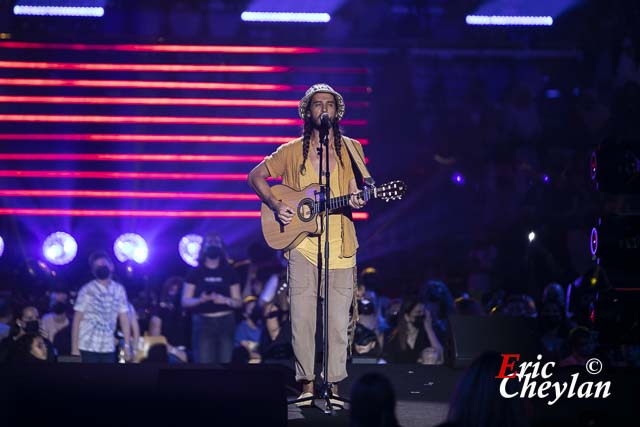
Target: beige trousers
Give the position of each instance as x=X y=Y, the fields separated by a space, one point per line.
x=303 y=294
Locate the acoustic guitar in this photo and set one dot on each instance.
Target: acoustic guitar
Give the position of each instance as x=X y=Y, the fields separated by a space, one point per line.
x=308 y=205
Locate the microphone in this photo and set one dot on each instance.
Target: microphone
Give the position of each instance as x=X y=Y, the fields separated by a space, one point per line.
x=325 y=122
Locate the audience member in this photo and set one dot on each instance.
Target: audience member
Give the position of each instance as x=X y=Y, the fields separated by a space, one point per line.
x=437 y=298
x=157 y=353
x=168 y=319
x=27 y=324
x=519 y=305
x=412 y=335
x=6 y=318
x=373 y=402
x=476 y=401
x=275 y=340
x=248 y=331
x=100 y=304
x=29 y=348
x=582 y=344
x=553 y=330
x=467 y=306
x=212 y=292
x=368 y=338
x=57 y=320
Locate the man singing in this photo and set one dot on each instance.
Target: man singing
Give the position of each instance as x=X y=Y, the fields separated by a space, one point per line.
x=298 y=162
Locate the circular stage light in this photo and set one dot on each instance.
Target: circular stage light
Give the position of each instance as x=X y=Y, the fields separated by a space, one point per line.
x=457 y=178
x=189 y=248
x=1 y=245
x=59 y=248
x=594 y=241
x=131 y=247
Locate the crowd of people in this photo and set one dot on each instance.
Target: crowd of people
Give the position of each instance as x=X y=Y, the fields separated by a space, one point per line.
x=226 y=312
x=202 y=317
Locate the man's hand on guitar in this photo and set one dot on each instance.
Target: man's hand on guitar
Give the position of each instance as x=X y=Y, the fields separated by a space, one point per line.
x=283 y=212
x=356 y=201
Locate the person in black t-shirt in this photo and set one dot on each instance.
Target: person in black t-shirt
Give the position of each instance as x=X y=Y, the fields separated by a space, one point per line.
x=212 y=292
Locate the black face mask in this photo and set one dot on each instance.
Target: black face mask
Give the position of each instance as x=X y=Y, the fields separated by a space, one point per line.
x=366 y=306
x=59 y=308
x=213 y=252
x=418 y=322
x=32 y=327
x=102 y=272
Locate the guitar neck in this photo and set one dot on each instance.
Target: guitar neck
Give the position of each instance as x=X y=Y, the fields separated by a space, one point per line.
x=342 y=201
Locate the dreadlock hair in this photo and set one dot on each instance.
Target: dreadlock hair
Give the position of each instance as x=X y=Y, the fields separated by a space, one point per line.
x=337 y=140
x=306 y=140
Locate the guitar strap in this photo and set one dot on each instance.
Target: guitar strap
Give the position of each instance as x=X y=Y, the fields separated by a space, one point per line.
x=368 y=179
x=359 y=161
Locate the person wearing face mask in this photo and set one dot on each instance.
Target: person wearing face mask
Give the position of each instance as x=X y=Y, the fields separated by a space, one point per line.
x=100 y=304
x=413 y=334
x=57 y=320
x=27 y=324
x=212 y=292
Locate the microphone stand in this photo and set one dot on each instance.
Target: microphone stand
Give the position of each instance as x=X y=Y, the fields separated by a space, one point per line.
x=325 y=390
x=326 y=393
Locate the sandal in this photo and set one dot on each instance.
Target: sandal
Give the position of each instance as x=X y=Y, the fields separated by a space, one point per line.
x=306 y=403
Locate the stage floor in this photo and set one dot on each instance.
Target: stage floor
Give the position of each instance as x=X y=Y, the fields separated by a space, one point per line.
x=257 y=395
x=409 y=414
x=422 y=393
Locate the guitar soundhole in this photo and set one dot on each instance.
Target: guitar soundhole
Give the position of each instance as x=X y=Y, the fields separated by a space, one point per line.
x=305 y=210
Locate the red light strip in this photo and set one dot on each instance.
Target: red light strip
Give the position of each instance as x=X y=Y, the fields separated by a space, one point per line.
x=146 y=84
x=140 y=213
x=108 y=157
x=57 y=118
x=208 y=102
x=122 y=175
x=153 y=84
x=128 y=194
x=171 y=68
x=148 y=138
x=165 y=48
x=225 y=139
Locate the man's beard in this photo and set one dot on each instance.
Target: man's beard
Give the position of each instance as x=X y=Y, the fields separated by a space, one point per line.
x=316 y=125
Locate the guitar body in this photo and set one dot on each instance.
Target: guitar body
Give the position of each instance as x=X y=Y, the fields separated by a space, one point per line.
x=304 y=222
x=308 y=208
